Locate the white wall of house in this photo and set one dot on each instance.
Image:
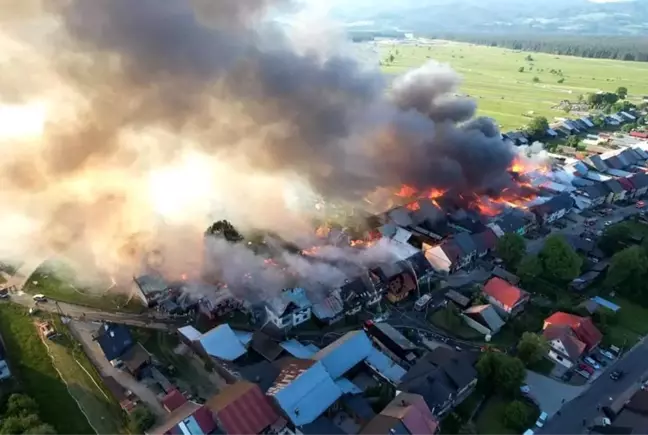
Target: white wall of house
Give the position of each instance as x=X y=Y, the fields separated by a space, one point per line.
x=557 y=353
x=301 y=316
x=560 y=359
x=280 y=322
x=476 y=325
x=438 y=259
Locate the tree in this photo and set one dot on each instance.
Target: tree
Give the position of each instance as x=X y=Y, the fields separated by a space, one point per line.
x=561 y=80
x=42 y=429
x=500 y=373
x=20 y=405
x=622 y=92
x=532 y=348
x=516 y=415
x=623 y=105
x=536 y=79
x=572 y=141
x=559 y=261
x=628 y=273
x=598 y=122
x=521 y=69
x=141 y=419
x=627 y=128
x=529 y=268
x=511 y=248
x=538 y=127
x=615 y=238
x=528 y=58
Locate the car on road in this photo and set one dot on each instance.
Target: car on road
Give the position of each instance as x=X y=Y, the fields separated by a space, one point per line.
x=542 y=419
x=4 y=293
x=640 y=204
x=616 y=375
x=592 y=363
x=39 y=298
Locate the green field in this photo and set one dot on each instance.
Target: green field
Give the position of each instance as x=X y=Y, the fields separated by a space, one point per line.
x=32 y=366
x=491 y=76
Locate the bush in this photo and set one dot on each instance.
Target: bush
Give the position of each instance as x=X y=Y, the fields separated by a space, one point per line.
x=517 y=415
x=536 y=79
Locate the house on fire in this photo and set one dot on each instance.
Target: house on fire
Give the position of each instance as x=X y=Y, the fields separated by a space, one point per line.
x=291 y=308
x=362 y=292
x=554 y=209
x=452 y=254
x=150 y=289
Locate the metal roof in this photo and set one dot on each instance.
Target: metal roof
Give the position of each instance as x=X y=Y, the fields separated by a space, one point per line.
x=347 y=386
x=395 y=336
x=344 y=353
x=296 y=349
x=190 y=333
x=221 y=342
x=385 y=366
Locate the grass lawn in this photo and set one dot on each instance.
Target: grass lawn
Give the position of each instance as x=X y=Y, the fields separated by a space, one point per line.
x=491 y=76
x=490 y=419
x=632 y=323
x=32 y=366
x=456 y=326
x=59 y=287
x=84 y=383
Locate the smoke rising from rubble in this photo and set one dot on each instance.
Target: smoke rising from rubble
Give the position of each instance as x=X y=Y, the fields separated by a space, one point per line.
x=156 y=115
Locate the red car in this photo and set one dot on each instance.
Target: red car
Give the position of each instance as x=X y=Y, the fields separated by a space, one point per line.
x=586 y=368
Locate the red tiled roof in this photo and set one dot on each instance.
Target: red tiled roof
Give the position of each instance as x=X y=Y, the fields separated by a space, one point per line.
x=583 y=327
x=242 y=408
x=173 y=400
x=503 y=291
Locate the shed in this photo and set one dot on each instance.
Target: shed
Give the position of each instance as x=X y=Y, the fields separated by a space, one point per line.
x=606 y=304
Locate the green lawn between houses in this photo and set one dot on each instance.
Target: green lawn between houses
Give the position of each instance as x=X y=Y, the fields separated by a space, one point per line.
x=490 y=419
x=491 y=76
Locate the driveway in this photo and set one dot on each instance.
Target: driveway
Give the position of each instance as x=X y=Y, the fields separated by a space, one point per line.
x=549 y=393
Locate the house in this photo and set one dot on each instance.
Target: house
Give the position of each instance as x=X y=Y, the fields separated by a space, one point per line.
x=358 y=408
x=565 y=347
x=407 y=414
x=483 y=319
x=617 y=193
x=583 y=328
x=221 y=342
x=639 y=134
x=387 y=337
x=126 y=399
x=505 y=275
x=189 y=419
x=150 y=289
x=596 y=193
x=554 y=209
x=173 y=400
x=512 y=223
x=460 y=300
x=640 y=183
x=114 y=340
x=631 y=414
x=361 y=292
x=400 y=279
x=506 y=298
x=303 y=390
x=136 y=360
x=485 y=242
x=443 y=377
x=291 y=308
x=330 y=310
x=449 y=256
x=242 y=408
x=5 y=373
x=421 y=267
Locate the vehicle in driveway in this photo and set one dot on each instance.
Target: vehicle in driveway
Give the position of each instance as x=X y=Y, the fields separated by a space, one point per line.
x=542 y=419
x=586 y=368
x=584 y=373
x=525 y=389
x=640 y=204
x=589 y=361
x=606 y=353
x=597 y=357
x=616 y=375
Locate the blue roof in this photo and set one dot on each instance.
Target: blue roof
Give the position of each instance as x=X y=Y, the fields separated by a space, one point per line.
x=344 y=353
x=605 y=303
x=114 y=340
x=221 y=342
x=244 y=337
x=307 y=396
x=347 y=386
x=385 y=366
x=312 y=348
x=296 y=349
x=190 y=333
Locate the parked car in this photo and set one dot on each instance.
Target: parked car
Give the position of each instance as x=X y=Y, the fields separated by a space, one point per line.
x=39 y=298
x=592 y=363
x=616 y=375
x=606 y=353
x=584 y=374
x=542 y=419
x=525 y=389
x=607 y=223
x=640 y=204
x=586 y=368
x=597 y=357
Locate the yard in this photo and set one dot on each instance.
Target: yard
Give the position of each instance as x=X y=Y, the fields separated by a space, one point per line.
x=451 y=322
x=33 y=368
x=632 y=324
x=490 y=419
x=84 y=383
x=492 y=76
x=58 y=286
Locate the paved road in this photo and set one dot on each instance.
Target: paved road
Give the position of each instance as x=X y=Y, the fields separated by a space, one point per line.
x=584 y=407
x=574 y=229
x=550 y=393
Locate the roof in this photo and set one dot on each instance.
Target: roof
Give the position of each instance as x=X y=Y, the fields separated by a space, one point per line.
x=583 y=327
x=114 y=340
x=505 y=274
x=173 y=400
x=242 y=408
x=136 y=357
x=420 y=264
x=639 y=402
x=151 y=284
x=344 y=353
x=485 y=241
x=488 y=315
x=189 y=419
x=595 y=190
x=605 y=303
x=360 y=406
x=639 y=180
x=614 y=186
x=510 y=223
x=263 y=373
x=190 y=333
x=596 y=162
x=297 y=349
x=614 y=162
x=384 y=424
x=221 y=342
x=384 y=366
x=395 y=336
x=265 y=346
x=329 y=308
x=457 y=297
x=321 y=425
x=465 y=242
x=295 y=297
x=304 y=390
x=412 y=410
x=504 y=292
x=563 y=201
x=573 y=346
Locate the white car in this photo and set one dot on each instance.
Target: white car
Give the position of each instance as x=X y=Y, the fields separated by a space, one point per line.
x=39 y=298
x=589 y=361
x=608 y=223
x=542 y=419
x=606 y=353
x=525 y=389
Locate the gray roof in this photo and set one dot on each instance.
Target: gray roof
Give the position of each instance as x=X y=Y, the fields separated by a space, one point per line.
x=465 y=242
x=486 y=315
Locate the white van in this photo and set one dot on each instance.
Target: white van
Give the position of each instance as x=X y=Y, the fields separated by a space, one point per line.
x=422 y=302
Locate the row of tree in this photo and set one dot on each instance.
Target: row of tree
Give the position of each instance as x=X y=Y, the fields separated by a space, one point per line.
x=600 y=47
x=20 y=416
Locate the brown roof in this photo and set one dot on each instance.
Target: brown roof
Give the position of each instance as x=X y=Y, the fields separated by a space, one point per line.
x=174 y=417
x=564 y=333
x=173 y=400
x=265 y=346
x=381 y=424
x=413 y=412
x=241 y=408
x=136 y=357
x=639 y=402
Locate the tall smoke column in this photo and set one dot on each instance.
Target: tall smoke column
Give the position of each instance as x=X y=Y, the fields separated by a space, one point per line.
x=216 y=98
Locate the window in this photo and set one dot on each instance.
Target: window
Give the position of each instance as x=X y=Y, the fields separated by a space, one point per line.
x=559 y=358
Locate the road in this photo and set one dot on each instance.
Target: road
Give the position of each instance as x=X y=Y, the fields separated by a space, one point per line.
x=618 y=214
x=585 y=407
